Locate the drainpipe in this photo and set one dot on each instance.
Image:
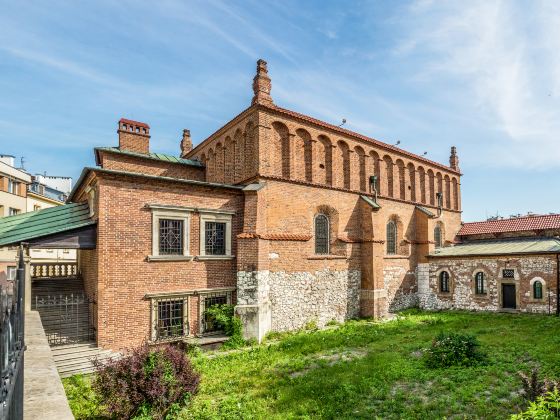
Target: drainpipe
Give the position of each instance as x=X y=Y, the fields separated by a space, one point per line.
x=439 y=198
x=557 y=284
x=373 y=186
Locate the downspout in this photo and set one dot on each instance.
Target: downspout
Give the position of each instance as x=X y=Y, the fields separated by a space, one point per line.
x=373 y=186
x=439 y=198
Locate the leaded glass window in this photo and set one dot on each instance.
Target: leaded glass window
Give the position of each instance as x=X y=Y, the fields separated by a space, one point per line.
x=321 y=234
x=215 y=238
x=391 y=238
x=171 y=237
x=437 y=236
x=444 y=281
x=170 y=320
x=479 y=283
x=537 y=290
x=508 y=273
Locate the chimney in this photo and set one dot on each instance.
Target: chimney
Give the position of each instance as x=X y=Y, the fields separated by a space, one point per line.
x=186 y=143
x=454 y=159
x=262 y=85
x=134 y=136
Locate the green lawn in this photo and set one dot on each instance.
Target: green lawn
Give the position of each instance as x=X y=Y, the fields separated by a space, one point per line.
x=366 y=370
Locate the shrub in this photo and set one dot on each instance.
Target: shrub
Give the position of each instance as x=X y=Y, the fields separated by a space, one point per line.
x=225 y=319
x=546 y=407
x=148 y=382
x=533 y=387
x=453 y=349
x=83 y=401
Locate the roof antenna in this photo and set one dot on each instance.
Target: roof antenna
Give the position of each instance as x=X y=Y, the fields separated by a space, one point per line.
x=22 y=161
x=343 y=122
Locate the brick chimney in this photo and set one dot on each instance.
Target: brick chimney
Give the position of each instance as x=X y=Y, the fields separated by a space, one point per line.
x=454 y=159
x=186 y=143
x=134 y=136
x=262 y=85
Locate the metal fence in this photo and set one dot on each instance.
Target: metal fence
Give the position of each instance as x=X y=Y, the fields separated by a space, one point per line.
x=12 y=345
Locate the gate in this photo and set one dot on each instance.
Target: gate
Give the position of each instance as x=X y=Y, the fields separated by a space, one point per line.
x=12 y=345
x=66 y=318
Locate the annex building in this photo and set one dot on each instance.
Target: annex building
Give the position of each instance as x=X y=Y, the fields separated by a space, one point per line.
x=291 y=219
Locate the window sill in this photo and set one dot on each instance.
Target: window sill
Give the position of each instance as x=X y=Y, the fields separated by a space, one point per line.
x=327 y=257
x=170 y=257
x=396 y=257
x=214 y=257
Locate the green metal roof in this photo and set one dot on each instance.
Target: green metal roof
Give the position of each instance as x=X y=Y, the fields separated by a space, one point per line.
x=533 y=245
x=26 y=226
x=368 y=200
x=156 y=156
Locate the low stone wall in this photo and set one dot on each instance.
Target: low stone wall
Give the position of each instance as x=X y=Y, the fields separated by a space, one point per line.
x=43 y=395
x=401 y=288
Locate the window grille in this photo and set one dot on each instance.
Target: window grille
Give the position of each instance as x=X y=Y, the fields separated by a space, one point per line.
x=437 y=236
x=170 y=237
x=391 y=238
x=170 y=319
x=444 y=281
x=209 y=324
x=537 y=290
x=508 y=273
x=215 y=238
x=321 y=234
x=479 y=286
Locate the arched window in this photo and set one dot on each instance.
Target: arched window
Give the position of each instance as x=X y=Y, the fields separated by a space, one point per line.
x=444 y=281
x=437 y=236
x=391 y=238
x=321 y=234
x=479 y=283
x=537 y=290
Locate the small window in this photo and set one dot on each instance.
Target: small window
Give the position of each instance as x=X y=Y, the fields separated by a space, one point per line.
x=11 y=272
x=13 y=212
x=444 y=281
x=321 y=234
x=170 y=319
x=537 y=290
x=391 y=238
x=171 y=237
x=437 y=236
x=479 y=283
x=508 y=273
x=209 y=324
x=36 y=207
x=215 y=238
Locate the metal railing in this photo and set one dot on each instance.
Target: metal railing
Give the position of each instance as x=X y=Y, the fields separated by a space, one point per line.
x=12 y=344
x=50 y=270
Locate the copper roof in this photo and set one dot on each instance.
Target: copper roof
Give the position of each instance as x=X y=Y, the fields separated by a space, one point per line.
x=516 y=224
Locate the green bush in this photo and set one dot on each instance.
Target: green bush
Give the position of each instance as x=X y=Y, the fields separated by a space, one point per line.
x=84 y=402
x=453 y=349
x=546 y=407
x=225 y=319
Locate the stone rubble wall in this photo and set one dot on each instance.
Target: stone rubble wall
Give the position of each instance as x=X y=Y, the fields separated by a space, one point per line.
x=303 y=297
x=401 y=288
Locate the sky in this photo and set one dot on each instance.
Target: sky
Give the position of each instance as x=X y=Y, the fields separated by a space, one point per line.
x=483 y=76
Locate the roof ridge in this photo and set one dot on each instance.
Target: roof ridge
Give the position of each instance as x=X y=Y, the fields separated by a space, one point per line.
x=533 y=216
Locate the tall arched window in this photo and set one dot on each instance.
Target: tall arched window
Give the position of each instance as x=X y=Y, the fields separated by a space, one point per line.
x=437 y=236
x=479 y=283
x=391 y=237
x=444 y=281
x=321 y=234
x=537 y=290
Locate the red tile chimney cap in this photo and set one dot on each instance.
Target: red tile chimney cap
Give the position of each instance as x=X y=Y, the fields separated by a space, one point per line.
x=132 y=122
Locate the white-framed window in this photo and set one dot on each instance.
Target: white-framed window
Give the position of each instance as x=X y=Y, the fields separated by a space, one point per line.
x=13 y=186
x=215 y=235
x=170 y=234
x=11 y=271
x=12 y=211
x=208 y=324
x=170 y=318
x=36 y=207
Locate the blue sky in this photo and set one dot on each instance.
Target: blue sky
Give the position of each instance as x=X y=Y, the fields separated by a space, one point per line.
x=481 y=75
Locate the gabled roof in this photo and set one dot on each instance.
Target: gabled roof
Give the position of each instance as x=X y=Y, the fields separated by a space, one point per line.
x=153 y=156
x=36 y=224
x=501 y=247
x=516 y=224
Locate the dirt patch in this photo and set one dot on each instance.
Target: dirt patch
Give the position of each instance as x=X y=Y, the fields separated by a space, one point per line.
x=319 y=360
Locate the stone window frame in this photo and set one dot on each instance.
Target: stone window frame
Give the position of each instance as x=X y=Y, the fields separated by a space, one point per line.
x=173 y=214
x=169 y=297
x=544 y=288
x=218 y=218
x=484 y=282
x=328 y=234
x=451 y=282
x=227 y=292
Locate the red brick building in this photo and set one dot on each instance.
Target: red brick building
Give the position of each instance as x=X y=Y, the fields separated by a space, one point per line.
x=291 y=219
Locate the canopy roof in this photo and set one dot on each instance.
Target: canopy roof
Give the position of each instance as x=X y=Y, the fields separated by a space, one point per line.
x=27 y=226
x=501 y=247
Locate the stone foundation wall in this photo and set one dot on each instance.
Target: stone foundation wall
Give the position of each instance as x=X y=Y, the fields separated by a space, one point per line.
x=401 y=288
x=321 y=296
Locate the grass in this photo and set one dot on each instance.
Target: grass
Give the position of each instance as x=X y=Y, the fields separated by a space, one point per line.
x=363 y=369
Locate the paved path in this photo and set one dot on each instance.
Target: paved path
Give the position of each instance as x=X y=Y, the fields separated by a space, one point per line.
x=44 y=396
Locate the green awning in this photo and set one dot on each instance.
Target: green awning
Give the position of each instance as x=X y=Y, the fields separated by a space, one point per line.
x=36 y=224
x=501 y=247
